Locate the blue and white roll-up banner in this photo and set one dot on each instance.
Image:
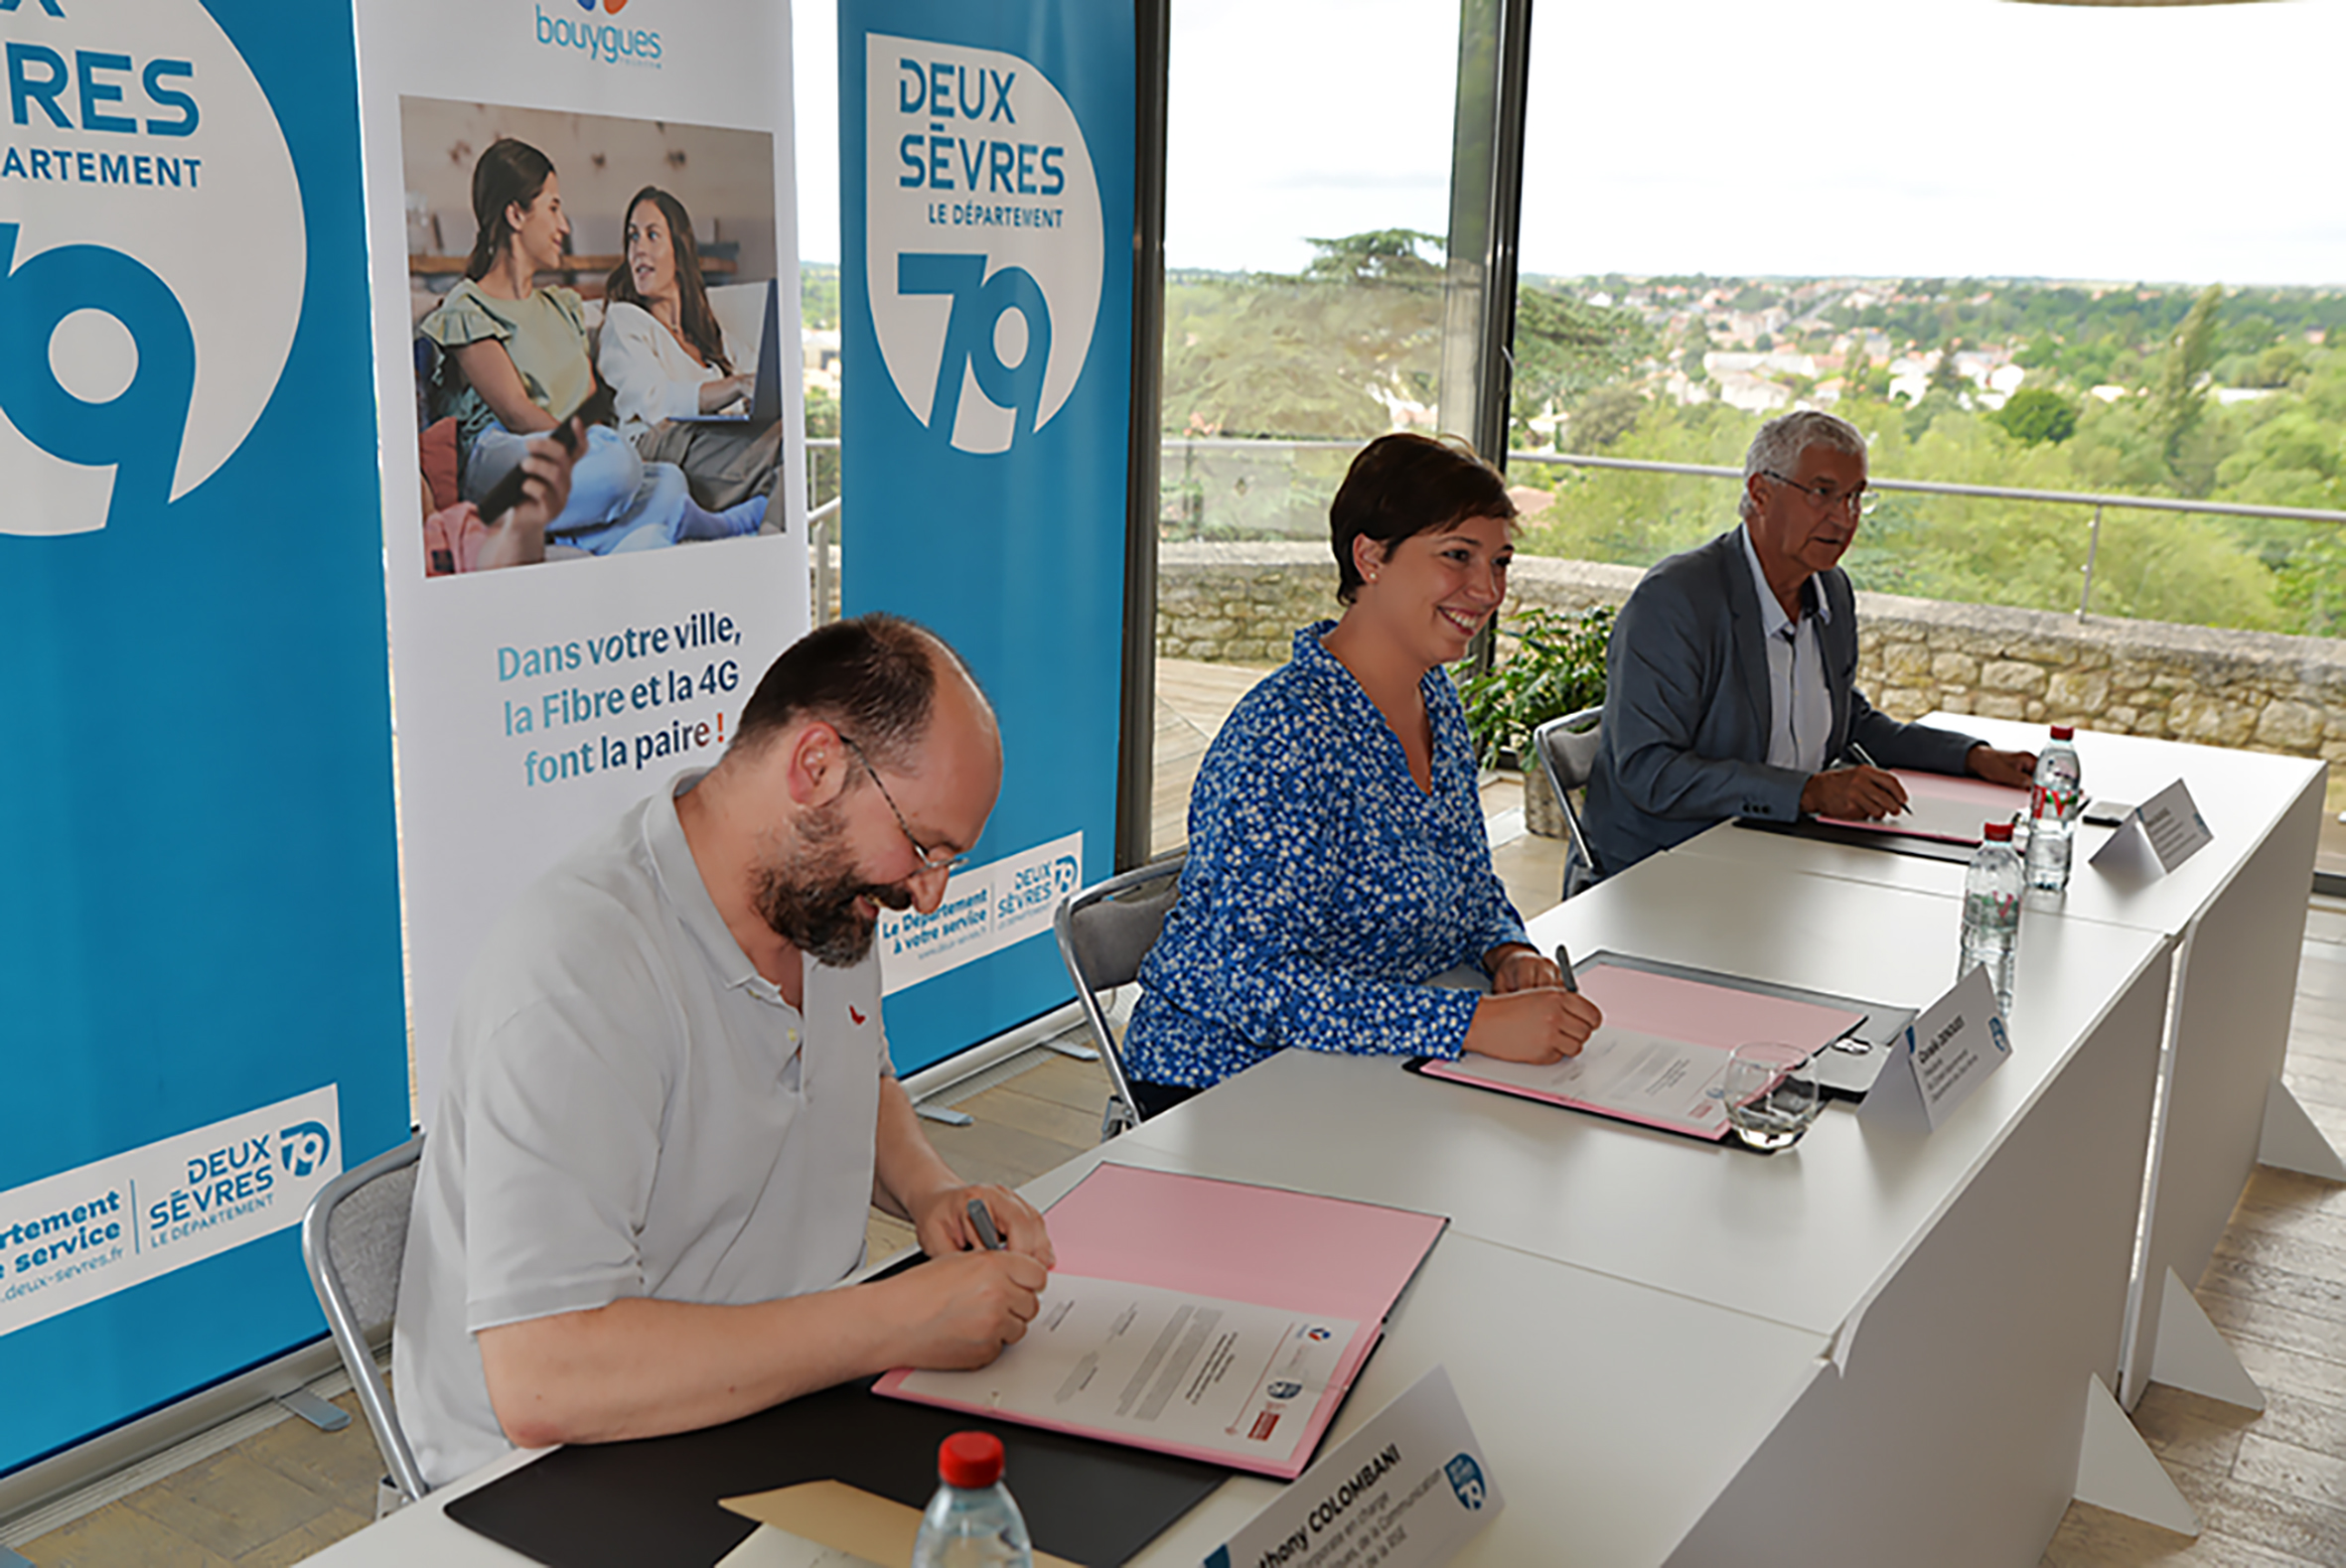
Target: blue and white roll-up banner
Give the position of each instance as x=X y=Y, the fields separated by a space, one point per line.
x=536 y=702
x=200 y=998
x=987 y=287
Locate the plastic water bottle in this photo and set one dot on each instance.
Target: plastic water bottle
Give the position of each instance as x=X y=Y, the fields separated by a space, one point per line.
x=1991 y=912
x=2053 y=807
x=971 y=1522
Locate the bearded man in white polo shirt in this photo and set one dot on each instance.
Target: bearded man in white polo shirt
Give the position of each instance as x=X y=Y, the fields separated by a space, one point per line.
x=670 y=1100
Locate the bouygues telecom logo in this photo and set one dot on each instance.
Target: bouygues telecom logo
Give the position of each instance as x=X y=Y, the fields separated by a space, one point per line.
x=152 y=257
x=604 y=42
x=982 y=236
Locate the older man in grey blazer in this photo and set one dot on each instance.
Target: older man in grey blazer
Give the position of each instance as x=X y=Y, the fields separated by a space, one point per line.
x=1730 y=682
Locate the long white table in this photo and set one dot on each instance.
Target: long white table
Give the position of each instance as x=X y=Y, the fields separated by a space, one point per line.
x=1877 y=1346
x=1972 y=1280
x=2236 y=912
x=1608 y=1451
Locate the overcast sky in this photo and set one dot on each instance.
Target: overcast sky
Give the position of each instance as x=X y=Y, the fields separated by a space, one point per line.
x=1880 y=137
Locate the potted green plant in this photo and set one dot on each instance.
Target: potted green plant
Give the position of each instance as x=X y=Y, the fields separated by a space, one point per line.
x=1549 y=664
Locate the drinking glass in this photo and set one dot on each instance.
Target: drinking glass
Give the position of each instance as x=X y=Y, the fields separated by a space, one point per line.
x=1771 y=1094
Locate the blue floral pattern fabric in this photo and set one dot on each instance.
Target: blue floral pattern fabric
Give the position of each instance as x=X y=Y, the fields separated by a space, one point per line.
x=1323 y=886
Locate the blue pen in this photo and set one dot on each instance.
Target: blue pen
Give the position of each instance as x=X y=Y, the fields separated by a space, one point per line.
x=983 y=1220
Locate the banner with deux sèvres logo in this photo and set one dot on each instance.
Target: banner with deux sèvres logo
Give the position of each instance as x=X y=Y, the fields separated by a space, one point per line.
x=986 y=280
x=200 y=993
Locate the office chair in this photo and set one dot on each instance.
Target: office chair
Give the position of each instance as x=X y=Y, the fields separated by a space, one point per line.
x=1566 y=749
x=354 y=1239
x=1104 y=930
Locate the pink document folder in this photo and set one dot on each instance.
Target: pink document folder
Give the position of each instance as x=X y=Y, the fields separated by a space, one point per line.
x=1320 y=1256
x=1720 y=1017
x=1945 y=807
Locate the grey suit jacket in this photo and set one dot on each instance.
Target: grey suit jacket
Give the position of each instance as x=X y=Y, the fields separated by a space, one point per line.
x=1686 y=709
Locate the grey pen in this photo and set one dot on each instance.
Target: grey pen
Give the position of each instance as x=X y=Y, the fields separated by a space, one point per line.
x=983 y=1220
x=1563 y=962
x=1866 y=760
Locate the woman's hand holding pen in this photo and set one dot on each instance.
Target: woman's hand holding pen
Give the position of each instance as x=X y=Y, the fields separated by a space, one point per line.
x=1518 y=968
x=1538 y=1027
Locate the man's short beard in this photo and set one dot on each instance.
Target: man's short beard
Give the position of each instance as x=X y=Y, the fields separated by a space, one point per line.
x=808 y=895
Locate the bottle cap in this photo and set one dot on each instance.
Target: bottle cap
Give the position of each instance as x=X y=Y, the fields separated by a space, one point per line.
x=1998 y=832
x=969 y=1458
x=2064 y=732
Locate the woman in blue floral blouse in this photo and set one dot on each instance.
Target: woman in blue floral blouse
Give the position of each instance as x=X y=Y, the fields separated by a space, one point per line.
x=1337 y=861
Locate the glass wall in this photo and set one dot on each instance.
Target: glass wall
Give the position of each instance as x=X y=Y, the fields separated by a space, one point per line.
x=2060 y=248
x=1930 y=220
x=1307 y=195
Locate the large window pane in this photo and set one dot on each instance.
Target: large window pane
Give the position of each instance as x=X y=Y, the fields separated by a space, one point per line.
x=1307 y=190
x=2046 y=247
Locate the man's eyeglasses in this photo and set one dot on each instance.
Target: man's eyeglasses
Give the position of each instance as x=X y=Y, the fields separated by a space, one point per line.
x=1861 y=500
x=932 y=861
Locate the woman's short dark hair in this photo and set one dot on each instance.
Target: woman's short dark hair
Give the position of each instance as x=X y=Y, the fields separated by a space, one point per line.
x=692 y=294
x=1404 y=485
x=873 y=678
x=509 y=171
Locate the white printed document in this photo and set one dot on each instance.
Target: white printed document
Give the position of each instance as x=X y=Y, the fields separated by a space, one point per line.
x=1184 y=1374
x=1660 y=1058
x=1640 y=1077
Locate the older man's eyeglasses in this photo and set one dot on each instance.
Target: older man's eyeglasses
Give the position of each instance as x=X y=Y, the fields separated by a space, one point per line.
x=932 y=861
x=1825 y=498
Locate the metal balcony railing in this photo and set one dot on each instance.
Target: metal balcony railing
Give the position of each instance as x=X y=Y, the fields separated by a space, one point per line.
x=1182 y=456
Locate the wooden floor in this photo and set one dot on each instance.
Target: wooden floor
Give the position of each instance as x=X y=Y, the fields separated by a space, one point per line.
x=2270 y=1489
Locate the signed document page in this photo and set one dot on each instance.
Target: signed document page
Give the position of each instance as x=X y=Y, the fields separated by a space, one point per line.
x=1213 y=1320
x=1945 y=807
x=1668 y=1083
x=1660 y=1056
x=1186 y=1374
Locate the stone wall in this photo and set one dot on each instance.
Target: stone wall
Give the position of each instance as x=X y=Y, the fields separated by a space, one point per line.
x=1241 y=604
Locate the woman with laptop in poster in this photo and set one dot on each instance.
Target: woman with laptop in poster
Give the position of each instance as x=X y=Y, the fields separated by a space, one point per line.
x=1337 y=858
x=515 y=366
x=667 y=361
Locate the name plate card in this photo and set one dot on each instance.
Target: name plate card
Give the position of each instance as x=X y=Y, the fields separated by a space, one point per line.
x=1407 y=1491
x=1942 y=1057
x=2168 y=824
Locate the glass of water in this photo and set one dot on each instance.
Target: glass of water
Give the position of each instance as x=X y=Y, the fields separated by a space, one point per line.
x=1771 y=1094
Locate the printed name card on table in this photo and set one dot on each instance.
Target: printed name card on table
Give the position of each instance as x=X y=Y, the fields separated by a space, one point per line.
x=1407 y=1491
x=2168 y=824
x=1942 y=1057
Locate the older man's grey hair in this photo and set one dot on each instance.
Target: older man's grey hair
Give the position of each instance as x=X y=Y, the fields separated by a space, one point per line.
x=1781 y=441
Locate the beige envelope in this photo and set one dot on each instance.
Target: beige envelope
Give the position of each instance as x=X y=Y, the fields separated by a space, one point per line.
x=835 y=1514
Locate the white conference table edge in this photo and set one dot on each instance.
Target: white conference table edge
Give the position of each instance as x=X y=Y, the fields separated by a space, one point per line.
x=1603 y=1449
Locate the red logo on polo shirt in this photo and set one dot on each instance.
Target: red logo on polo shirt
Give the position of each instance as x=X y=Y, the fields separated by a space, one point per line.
x=852 y=1013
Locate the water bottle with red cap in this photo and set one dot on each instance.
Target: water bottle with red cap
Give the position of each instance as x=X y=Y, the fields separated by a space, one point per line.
x=2054 y=804
x=971 y=1521
x=1991 y=912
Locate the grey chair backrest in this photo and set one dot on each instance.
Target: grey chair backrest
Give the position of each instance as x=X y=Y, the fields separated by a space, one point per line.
x=1566 y=749
x=1105 y=931
x=354 y=1239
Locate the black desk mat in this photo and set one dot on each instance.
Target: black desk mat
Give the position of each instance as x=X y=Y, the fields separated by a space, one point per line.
x=1868 y=838
x=655 y=1499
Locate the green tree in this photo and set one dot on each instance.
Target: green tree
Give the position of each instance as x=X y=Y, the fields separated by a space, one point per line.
x=2039 y=413
x=1565 y=349
x=1946 y=376
x=1604 y=416
x=819 y=296
x=1376 y=255
x=2178 y=394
